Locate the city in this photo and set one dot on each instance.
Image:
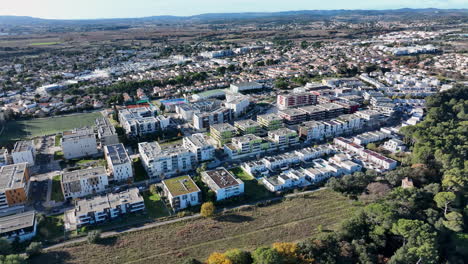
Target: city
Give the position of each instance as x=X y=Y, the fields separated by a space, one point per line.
x=289 y=138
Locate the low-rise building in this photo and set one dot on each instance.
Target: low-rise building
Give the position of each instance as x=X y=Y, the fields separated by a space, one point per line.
x=85 y=182
x=223 y=183
x=14 y=185
x=182 y=192
x=284 y=137
x=286 y=180
x=293 y=116
x=394 y=145
x=270 y=121
x=100 y=209
x=79 y=142
x=20 y=226
x=247 y=126
x=223 y=133
x=245 y=86
x=165 y=162
x=24 y=151
x=119 y=163
x=198 y=144
x=106 y=132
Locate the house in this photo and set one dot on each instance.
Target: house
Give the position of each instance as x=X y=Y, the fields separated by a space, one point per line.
x=181 y=192
x=286 y=180
x=100 y=209
x=78 y=143
x=119 y=162
x=24 y=151
x=81 y=183
x=394 y=145
x=21 y=226
x=14 y=185
x=223 y=183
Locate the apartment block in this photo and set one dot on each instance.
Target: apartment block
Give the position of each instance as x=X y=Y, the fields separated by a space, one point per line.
x=223 y=183
x=119 y=163
x=78 y=143
x=247 y=126
x=245 y=86
x=85 y=182
x=204 y=120
x=223 y=133
x=14 y=185
x=24 y=151
x=20 y=226
x=247 y=146
x=182 y=192
x=141 y=121
x=198 y=144
x=284 y=137
x=106 y=132
x=293 y=116
x=290 y=100
x=270 y=121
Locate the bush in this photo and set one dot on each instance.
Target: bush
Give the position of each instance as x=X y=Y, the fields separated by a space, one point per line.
x=5 y=247
x=207 y=209
x=35 y=248
x=266 y=255
x=238 y=256
x=94 y=236
x=218 y=258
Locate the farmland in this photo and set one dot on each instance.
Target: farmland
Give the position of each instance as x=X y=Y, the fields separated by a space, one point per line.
x=293 y=219
x=23 y=129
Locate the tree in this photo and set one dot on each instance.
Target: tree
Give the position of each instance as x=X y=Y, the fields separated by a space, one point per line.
x=454 y=221
x=35 y=248
x=207 y=209
x=444 y=199
x=287 y=250
x=12 y=259
x=153 y=189
x=218 y=258
x=266 y=255
x=454 y=180
x=94 y=236
x=191 y=261
x=5 y=246
x=238 y=256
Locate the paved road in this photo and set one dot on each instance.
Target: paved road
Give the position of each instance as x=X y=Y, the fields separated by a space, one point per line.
x=155 y=224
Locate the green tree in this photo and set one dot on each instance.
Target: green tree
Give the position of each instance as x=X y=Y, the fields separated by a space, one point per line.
x=12 y=259
x=238 y=256
x=266 y=255
x=5 y=246
x=454 y=221
x=35 y=248
x=207 y=209
x=444 y=199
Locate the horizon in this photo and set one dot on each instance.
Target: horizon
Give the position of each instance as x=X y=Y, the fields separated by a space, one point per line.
x=122 y=9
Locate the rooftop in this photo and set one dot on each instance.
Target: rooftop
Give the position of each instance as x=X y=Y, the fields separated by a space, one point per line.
x=223 y=127
x=17 y=221
x=269 y=117
x=222 y=178
x=181 y=185
x=117 y=154
x=21 y=146
x=12 y=176
x=111 y=200
x=77 y=175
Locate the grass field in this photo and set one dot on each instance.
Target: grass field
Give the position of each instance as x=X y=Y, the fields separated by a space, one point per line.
x=45 y=43
x=23 y=129
x=294 y=219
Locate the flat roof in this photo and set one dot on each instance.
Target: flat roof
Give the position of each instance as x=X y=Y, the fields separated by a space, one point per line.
x=12 y=176
x=270 y=117
x=17 y=221
x=111 y=200
x=21 y=146
x=181 y=185
x=222 y=178
x=223 y=127
x=77 y=175
x=117 y=153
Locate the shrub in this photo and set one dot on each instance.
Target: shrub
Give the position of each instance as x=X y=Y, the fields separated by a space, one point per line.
x=35 y=248
x=238 y=256
x=207 y=209
x=94 y=236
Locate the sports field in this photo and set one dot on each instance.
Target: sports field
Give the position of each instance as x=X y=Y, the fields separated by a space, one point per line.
x=24 y=129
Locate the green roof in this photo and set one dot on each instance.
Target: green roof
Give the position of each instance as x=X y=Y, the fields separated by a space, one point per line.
x=181 y=185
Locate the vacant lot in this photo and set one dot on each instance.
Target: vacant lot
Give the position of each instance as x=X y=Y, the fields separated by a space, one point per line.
x=291 y=220
x=17 y=130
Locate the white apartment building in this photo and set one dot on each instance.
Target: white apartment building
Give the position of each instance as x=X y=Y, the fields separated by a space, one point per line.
x=198 y=144
x=245 y=86
x=286 y=180
x=4 y=157
x=223 y=183
x=182 y=192
x=106 y=132
x=283 y=137
x=394 y=145
x=100 y=209
x=81 y=183
x=24 y=151
x=77 y=143
x=238 y=103
x=141 y=121
x=120 y=165
x=163 y=162
x=21 y=226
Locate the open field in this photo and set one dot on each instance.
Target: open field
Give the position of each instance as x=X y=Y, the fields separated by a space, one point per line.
x=294 y=219
x=23 y=129
x=45 y=43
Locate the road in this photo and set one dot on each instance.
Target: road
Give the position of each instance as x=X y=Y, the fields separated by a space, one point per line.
x=156 y=224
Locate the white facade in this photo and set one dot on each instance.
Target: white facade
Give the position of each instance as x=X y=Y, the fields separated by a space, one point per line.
x=198 y=144
x=142 y=121
x=79 y=143
x=239 y=87
x=223 y=183
x=181 y=192
x=24 y=151
x=119 y=162
x=81 y=183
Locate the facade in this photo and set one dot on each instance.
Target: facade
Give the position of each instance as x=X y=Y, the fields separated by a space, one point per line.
x=24 y=151
x=245 y=86
x=4 y=157
x=223 y=133
x=120 y=165
x=290 y=100
x=79 y=143
x=182 y=192
x=204 y=120
x=160 y=162
x=270 y=121
x=14 y=185
x=106 y=132
x=81 y=183
x=21 y=226
x=198 y=144
x=284 y=137
x=100 y=209
x=247 y=146
x=247 y=126
x=293 y=116
x=223 y=183
x=141 y=121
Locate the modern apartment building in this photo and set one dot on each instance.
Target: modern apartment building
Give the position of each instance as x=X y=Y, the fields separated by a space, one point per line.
x=78 y=143
x=142 y=120
x=247 y=146
x=24 y=151
x=204 y=120
x=247 y=126
x=119 y=163
x=106 y=132
x=293 y=116
x=284 y=137
x=290 y=100
x=223 y=133
x=223 y=183
x=245 y=86
x=14 y=185
x=182 y=192
x=198 y=144
x=21 y=226
x=270 y=121
x=81 y=183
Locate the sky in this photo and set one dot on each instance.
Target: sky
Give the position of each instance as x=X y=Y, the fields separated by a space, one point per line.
x=90 y=9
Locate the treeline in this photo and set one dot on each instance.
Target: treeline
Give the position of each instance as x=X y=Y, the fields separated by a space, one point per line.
x=421 y=224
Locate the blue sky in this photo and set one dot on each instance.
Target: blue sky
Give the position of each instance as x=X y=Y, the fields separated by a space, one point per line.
x=83 y=9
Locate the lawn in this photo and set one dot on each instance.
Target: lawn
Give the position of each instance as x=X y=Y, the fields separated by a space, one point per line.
x=57 y=140
x=154 y=205
x=56 y=194
x=294 y=219
x=24 y=129
x=45 y=43
x=253 y=190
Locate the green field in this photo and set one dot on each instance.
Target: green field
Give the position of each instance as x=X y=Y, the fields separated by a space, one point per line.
x=23 y=129
x=294 y=219
x=45 y=43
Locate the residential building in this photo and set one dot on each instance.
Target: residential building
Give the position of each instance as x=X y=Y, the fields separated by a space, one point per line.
x=296 y=99
x=20 y=226
x=204 y=120
x=4 y=157
x=14 y=185
x=245 y=86
x=79 y=142
x=100 y=209
x=237 y=102
x=24 y=151
x=106 y=132
x=142 y=120
x=270 y=121
x=198 y=144
x=369 y=137
x=247 y=126
x=223 y=133
x=182 y=192
x=119 y=163
x=85 y=182
x=223 y=183
x=165 y=162
x=286 y=180
x=394 y=145
x=247 y=146
x=293 y=116
x=284 y=137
